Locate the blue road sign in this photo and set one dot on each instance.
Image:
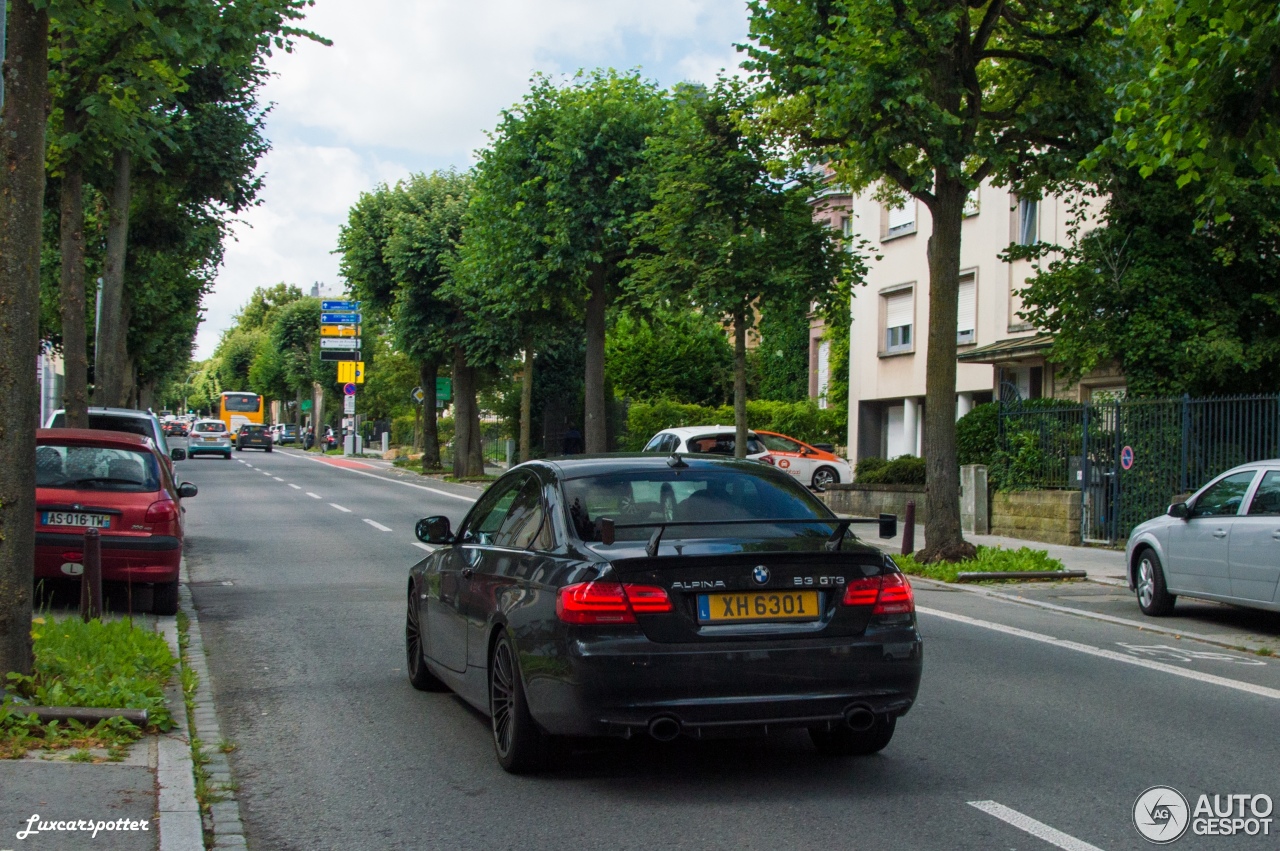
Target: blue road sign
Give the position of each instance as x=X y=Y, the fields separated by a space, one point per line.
x=339 y=305
x=339 y=319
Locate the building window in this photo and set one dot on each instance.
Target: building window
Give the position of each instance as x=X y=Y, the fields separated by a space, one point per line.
x=824 y=371
x=967 y=310
x=902 y=219
x=1028 y=221
x=971 y=203
x=899 y=313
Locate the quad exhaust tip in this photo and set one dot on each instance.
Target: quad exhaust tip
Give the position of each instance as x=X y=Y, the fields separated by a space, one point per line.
x=859 y=718
x=664 y=728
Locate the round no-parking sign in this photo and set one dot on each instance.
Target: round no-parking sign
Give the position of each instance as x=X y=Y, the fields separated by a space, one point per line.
x=1126 y=457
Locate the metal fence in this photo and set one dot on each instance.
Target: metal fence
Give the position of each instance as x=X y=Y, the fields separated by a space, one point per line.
x=1130 y=458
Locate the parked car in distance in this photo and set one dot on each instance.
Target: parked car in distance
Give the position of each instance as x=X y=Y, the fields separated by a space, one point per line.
x=253 y=436
x=1222 y=544
x=805 y=462
x=639 y=594
x=209 y=437
x=710 y=440
x=118 y=484
x=287 y=433
x=126 y=420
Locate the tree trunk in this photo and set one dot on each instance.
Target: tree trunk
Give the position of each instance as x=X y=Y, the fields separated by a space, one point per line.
x=526 y=402
x=596 y=407
x=75 y=358
x=427 y=375
x=943 y=538
x=317 y=412
x=462 y=398
x=740 y=385
x=297 y=411
x=111 y=354
x=25 y=73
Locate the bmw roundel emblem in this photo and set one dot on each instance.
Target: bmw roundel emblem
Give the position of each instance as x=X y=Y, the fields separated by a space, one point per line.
x=760 y=575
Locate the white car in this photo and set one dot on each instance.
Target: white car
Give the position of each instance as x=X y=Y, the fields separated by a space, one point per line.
x=1222 y=544
x=712 y=440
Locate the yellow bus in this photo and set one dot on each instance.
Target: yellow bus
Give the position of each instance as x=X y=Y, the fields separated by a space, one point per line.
x=237 y=409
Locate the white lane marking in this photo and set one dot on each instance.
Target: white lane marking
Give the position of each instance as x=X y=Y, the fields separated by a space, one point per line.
x=295 y=487
x=1212 y=679
x=313 y=495
x=377 y=525
x=1038 y=829
x=398 y=482
x=277 y=478
x=340 y=508
x=423 y=546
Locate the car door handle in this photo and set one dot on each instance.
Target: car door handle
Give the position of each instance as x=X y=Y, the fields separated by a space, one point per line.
x=1219 y=533
x=467 y=572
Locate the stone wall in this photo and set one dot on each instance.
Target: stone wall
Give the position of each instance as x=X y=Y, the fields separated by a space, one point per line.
x=874 y=500
x=1051 y=517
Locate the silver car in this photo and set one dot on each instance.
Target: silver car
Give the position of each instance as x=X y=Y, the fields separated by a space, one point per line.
x=1222 y=544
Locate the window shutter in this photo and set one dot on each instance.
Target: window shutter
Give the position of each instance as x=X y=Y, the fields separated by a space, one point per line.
x=897 y=309
x=966 y=312
x=824 y=371
x=902 y=217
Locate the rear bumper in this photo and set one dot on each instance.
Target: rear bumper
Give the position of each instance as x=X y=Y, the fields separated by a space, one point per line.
x=618 y=686
x=154 y=558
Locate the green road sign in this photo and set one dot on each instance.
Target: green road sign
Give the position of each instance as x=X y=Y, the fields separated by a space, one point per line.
x=444 y=388
x=306 y=404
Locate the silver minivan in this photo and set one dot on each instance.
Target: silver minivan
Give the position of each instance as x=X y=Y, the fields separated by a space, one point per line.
x=1222 y=544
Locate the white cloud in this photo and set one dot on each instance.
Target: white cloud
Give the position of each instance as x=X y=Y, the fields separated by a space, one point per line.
x=414 y=85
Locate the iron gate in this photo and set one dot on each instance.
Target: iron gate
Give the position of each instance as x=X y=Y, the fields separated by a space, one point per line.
x=1131 y=458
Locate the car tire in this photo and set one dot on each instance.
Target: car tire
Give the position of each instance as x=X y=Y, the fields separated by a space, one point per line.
x=846 y=742
x=268 y=448
x=1153 y=594
x=520 y=745
x=420 y=675
x=824 y=476
x=164 y=598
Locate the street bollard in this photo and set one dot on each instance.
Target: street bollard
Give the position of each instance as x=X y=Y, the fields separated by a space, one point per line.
x=909 y=529
x=91 y=579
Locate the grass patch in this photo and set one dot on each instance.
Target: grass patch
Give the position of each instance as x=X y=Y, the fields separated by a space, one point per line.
x=1265 y=651
x=989 y=560
x=113 y=665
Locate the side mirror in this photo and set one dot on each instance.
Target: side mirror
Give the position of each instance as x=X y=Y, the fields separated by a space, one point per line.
x=1180 y=510
x=178 y=454
x=433 y=530
x=888 y=525
x=187 y=490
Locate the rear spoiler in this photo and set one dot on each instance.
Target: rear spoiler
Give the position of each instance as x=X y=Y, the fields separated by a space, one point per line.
x=888 y=523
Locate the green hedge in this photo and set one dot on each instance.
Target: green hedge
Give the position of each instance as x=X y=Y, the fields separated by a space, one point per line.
x=802 y=420
x=903 y=470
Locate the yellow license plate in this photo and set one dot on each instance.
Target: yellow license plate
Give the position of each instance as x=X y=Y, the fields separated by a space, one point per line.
x=759 y=606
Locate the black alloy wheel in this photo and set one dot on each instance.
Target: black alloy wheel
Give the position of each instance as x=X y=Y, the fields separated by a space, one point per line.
x=824 y=476
x=419 y=674
x=845 y=742
x=521 y=747
x=1153 y=595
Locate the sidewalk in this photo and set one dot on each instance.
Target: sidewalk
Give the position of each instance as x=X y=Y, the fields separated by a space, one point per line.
x=1102 y=564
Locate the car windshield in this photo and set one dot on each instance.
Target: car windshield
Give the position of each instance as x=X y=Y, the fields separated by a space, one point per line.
x=96 y=468
x=682 y=496
x=131 y=425
x=211 y=428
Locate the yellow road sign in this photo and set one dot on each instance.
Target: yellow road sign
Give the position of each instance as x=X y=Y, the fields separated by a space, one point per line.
x=339 y=330
x=351 y=372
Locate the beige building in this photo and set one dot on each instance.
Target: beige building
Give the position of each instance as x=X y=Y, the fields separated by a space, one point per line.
x=999 y=353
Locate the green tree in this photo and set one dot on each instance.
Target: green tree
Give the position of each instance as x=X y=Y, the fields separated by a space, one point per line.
x=681 y=356
x=782 y=357
x=931 y=99
x=555 y=192
x=724 y=232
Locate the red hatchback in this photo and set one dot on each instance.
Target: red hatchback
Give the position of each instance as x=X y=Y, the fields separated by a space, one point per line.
x=116 y=483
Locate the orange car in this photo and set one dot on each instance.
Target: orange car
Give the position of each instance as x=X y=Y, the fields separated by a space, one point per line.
x=809 y=465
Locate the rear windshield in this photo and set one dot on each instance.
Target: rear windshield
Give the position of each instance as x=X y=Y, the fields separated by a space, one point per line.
x=96 y=468
x=210 y=427
x=253 y=429
x=242 y=403
x=671 y=495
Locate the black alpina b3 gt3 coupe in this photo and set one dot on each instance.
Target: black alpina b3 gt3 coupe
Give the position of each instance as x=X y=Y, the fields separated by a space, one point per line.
x=664 y=596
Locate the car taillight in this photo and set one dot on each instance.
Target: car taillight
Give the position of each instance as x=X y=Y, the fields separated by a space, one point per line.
x=164 y=511
x=609 y=602
x=891 y=594
x=769 y=459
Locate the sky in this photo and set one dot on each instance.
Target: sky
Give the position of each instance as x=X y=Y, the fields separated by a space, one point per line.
x=413 y=85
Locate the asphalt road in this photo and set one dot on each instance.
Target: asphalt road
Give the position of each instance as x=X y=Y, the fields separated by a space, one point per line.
x=1057 y=722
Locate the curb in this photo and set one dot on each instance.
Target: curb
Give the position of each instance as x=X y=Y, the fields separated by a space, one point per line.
x=1021 y=575
x=227 y=828
x=179 y=813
